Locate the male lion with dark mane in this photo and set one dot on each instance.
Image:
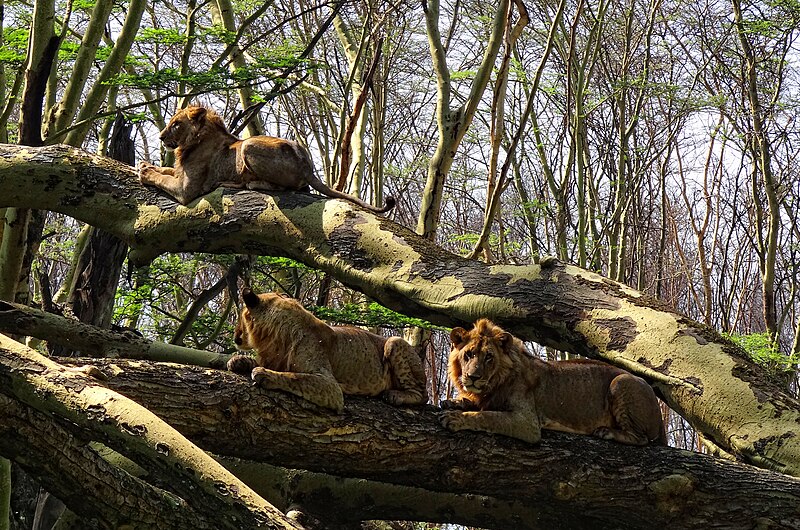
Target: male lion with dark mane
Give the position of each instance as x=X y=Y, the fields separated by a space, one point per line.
x=207 y=156
x=505 y=390
x=298 y=353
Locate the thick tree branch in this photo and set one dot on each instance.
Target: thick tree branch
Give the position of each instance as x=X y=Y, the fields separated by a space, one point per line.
x=17 y=319
x=343 y=500
x=698 y=373
x=568 y=481
x=34 y=392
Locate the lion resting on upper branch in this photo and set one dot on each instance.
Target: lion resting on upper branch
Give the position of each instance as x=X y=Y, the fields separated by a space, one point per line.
x=505 y=390
x=207 y=156
x=298 y=353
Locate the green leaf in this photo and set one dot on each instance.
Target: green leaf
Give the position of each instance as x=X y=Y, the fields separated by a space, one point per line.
x=161 y=36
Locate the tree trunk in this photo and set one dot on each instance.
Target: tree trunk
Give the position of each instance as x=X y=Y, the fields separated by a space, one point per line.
x=567 y=481
x=452 y=124
x=761 y=152
x=698 y=373
x=100 y=264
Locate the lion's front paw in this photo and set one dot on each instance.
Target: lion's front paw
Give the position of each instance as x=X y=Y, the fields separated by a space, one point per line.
x=604 y=433
x=453 y=404
x=144 y=169
x=241 y=364
x=261 y=377
x=452 y=420
x=393 y=397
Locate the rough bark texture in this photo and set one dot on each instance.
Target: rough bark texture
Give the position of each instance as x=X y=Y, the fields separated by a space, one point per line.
x=568 y=481
x=696 y=371
x=49 y=414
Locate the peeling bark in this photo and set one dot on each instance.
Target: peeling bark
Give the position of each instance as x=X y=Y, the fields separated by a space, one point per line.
x=697 y=372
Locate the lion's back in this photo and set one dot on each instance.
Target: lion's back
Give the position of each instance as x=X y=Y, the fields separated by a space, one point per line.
x=356 y=358
x=283 y=163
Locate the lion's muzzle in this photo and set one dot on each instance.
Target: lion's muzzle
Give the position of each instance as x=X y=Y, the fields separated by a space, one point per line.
x=473 y=382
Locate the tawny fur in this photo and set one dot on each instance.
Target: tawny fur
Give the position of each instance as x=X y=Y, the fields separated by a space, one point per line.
x=298 y=353
x=207 y=156
x=503 y=389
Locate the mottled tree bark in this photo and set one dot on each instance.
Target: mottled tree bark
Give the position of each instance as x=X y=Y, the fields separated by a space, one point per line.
x=697 y=372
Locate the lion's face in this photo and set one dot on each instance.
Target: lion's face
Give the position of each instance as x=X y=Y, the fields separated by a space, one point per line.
x=258 y=325
x=178 y=131
x=479 y=361
x=241 y=335
x=188 y=126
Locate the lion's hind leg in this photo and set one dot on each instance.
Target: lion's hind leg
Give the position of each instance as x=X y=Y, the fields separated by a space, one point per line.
x=635 y=411
x=318 y=388
x=408 y=374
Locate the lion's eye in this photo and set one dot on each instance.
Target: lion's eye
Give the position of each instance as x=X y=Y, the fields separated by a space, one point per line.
x=468 y=355
x=489 y=358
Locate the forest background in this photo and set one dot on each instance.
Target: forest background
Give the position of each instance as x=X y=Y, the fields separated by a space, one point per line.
x=649 y=142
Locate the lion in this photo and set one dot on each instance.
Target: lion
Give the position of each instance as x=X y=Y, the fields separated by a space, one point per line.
x=300 y=354
x=505 y=390
x=207 y=156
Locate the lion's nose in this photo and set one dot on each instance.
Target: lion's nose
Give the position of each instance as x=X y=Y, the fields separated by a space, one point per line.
x=473 y=377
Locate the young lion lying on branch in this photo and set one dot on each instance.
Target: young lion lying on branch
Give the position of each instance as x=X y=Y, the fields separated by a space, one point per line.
x=298 y=353
x=505 y=390
x=207 y=156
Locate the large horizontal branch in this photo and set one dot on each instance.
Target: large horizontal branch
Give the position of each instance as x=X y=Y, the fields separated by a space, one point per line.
x=697 y=372
x=345 y=500
x=49 y=413
x=17 y=319
x=568 y=481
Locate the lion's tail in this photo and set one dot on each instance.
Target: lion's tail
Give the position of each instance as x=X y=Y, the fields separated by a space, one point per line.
x=318 y=185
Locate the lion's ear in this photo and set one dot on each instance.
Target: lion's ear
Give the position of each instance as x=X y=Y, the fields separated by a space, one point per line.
x=250 y=298
x=458 y=336
x=505 y=339
x=197 y=113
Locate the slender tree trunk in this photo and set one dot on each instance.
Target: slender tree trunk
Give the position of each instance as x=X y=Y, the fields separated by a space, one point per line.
x=22 y=225
x=112 y=66
x=762 y=159
x=497 y=181
x=452 y=124
x=222 y=11
x=61 y=115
